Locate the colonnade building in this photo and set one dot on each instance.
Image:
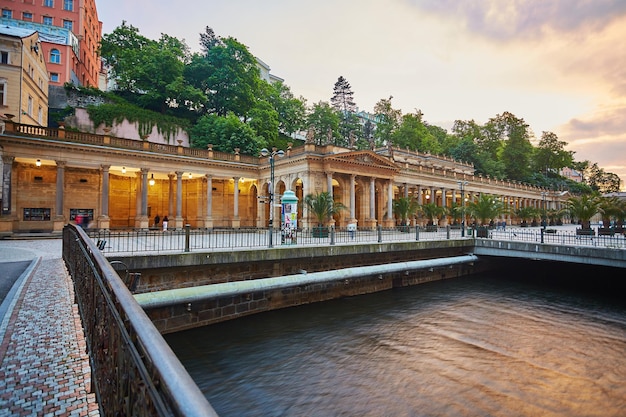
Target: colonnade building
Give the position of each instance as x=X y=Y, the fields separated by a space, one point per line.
x=50 y=176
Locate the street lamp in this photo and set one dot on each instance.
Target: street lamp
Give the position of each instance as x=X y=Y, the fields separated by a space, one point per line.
x=270 y=189
x=543 y=217
x=462 y=185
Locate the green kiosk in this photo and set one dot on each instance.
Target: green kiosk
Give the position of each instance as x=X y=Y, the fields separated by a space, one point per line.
x=289 y=217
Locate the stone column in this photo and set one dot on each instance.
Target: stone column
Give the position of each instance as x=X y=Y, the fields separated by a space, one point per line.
x=419 y=194
x=170 y=208
x=389 y=221
x=353 y=199
x=7 y=169
x=329 y=183
x=236 y=221
x=103 y=218
x=371 y=222
x=58 y=218
x=8 y=219
x=406 y=190
x=178 y=220
x=208 y=218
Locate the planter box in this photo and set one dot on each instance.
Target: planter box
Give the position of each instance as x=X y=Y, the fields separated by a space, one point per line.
x=585 y=232
x=320 y=232
x=482 y=232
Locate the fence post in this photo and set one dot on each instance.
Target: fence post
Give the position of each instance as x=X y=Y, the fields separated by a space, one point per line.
x=541 y=235
x=187 y=227
x=379 y=229
x=332 y=235
x=448 y=232
x=417 y=233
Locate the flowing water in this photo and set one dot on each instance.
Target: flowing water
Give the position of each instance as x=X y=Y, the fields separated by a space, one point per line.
x=478 y=346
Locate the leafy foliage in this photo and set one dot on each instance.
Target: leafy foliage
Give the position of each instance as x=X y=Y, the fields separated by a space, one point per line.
x=322 y=206
x=226 y=134
x=110 y=114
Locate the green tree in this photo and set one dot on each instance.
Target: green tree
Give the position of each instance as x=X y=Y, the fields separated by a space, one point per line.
x=486 y=207
x=149 y=73
x=432 y=212
x=583 y=208
x=517 y=149
x=602 y=181
x=412 y=133
x=550 y=155
x=263 y=119
x=322 y=206
x=228 y=75
x=343 y=102
x=405 y=208
x=388 y=121
x=226 y=134
x=291 y=110
x=325 y=123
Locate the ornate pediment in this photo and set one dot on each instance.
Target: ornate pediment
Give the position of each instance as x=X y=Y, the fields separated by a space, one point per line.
x=364 y=158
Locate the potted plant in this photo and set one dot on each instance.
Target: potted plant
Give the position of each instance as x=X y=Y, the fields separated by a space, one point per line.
x=524 y=214
x=486 y=208
x=432 y=212
x=323 y=207
x=455 y=211
x=403 y=209
x=584 y=208
x=610 y=209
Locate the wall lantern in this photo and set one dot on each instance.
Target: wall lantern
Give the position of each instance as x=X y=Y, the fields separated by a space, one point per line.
x=123 y=170
x=151 y=180
x=38 y=163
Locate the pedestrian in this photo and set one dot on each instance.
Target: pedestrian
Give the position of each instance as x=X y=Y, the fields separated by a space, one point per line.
x=165 y=222
x=157 y=219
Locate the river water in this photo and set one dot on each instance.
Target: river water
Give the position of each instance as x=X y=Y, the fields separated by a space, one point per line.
x=478 y=346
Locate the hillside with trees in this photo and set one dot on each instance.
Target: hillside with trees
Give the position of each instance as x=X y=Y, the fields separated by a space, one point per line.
x=219 y=98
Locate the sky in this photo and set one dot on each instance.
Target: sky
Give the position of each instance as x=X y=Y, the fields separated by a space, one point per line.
x=558 y=64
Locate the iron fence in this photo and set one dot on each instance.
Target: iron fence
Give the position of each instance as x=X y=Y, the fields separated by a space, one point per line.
x=134 y=371
x=186 y=240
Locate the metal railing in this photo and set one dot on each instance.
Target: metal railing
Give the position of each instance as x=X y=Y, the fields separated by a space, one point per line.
x=187 y=239
x=134 y=371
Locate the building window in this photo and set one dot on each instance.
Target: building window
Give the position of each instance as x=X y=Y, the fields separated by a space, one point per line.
x=55 y=56
x=3 y=92
x=47 y=20
x=68 y=5
x=40 y=115
x=54 y=77
x=4 y=57
x=48 y=3
x=36 y=214
x=68 y=24
x=27 y=16
x=6 y=13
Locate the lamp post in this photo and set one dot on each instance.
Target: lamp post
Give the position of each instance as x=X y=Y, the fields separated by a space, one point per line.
x=462 y=185
x=270 y=190
x=543 y=216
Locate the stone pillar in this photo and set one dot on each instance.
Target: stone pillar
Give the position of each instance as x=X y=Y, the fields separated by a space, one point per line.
x=178 y=220
x=329 y=183
x=406 y=190
x=8 y=219
x=138 y=199
x=371 y=222
x=141 y=219
x=170 y=208
x=59 y=219
x=389 y=221
x=208 y=218
x=353 y=199
x=419 y=194
x=103 y=219
x=7 y=170
x=235 y=222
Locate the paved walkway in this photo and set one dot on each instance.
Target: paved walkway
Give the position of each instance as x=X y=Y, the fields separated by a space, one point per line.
x=44 y=367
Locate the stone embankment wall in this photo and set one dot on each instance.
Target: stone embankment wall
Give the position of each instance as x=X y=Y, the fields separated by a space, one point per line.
x=192 y=270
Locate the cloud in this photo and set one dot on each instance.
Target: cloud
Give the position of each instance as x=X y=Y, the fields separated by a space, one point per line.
x=526 y=18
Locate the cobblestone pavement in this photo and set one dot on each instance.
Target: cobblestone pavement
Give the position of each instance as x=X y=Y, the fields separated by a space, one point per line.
x=44 y=367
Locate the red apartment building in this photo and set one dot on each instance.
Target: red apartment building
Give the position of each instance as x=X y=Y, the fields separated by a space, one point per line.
x=70 y=32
